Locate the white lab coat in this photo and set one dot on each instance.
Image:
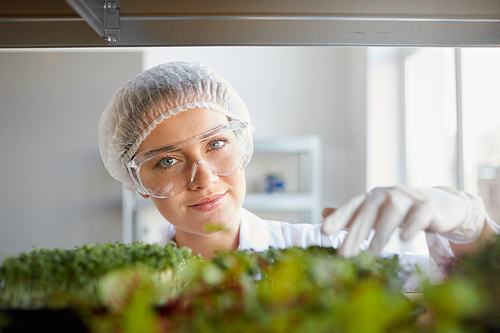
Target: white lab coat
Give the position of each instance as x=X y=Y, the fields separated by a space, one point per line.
x=258 y=234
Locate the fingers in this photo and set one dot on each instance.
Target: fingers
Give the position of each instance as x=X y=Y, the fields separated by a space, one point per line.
x=363 y=222
x=392 y=214
x=419 y=218
x=384 y=210
x=340 y=219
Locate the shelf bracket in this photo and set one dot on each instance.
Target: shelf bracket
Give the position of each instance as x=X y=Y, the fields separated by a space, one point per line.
x=101 y=15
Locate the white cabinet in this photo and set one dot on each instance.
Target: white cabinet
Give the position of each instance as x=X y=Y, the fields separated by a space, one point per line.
x=300 y=158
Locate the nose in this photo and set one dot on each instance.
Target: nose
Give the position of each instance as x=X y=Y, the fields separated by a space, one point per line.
x=202 y=176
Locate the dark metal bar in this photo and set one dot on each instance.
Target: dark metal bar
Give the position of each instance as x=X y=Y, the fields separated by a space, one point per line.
x=458 y=23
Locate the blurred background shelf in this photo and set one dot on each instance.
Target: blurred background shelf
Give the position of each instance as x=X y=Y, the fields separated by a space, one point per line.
x=298 y=159
x=279 y=201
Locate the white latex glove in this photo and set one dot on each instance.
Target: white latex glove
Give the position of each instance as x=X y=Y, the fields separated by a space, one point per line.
x=455 y=215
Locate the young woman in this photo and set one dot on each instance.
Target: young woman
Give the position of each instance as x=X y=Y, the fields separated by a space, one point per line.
x=180 y=134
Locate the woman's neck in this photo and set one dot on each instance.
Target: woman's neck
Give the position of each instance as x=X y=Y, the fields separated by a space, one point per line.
x=207 y=245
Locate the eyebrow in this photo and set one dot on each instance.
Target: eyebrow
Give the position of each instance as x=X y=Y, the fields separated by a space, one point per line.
x=153 y=151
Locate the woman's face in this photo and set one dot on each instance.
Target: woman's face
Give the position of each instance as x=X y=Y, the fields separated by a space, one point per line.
x=209 y=199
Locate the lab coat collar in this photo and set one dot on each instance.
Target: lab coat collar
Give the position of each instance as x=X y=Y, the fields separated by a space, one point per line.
x=254 y=233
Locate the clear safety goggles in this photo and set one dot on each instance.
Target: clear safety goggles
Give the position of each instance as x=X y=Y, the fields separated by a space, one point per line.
x=167 y=171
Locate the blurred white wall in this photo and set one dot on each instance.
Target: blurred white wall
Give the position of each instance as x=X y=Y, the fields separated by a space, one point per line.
x=55 y=191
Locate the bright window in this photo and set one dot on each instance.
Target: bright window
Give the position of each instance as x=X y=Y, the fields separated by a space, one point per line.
x=481 y=113
x=430 y=118
x=434 y=120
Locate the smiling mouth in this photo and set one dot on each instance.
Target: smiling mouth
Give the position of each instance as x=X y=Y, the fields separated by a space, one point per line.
x=209 y=203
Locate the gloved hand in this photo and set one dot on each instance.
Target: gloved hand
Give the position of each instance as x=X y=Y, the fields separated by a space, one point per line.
x=455 y=215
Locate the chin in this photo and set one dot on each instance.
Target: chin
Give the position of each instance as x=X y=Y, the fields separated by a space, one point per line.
x=205 y=228
x=219 y=221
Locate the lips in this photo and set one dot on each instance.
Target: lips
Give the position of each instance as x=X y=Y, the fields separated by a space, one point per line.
x=209 y=203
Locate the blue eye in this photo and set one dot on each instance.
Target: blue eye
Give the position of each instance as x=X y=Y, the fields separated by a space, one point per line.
x=217 y=144
x=166 y=162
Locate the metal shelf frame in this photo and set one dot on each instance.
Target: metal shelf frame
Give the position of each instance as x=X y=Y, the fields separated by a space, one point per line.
x=137 y=23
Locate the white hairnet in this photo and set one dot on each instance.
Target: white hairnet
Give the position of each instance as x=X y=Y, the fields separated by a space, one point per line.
x=153 y=96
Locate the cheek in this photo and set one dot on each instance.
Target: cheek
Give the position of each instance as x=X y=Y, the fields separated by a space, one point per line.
x=239 y=187
x=169 y=208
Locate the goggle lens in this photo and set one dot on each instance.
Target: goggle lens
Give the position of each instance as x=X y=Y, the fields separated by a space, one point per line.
x=165 y=172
